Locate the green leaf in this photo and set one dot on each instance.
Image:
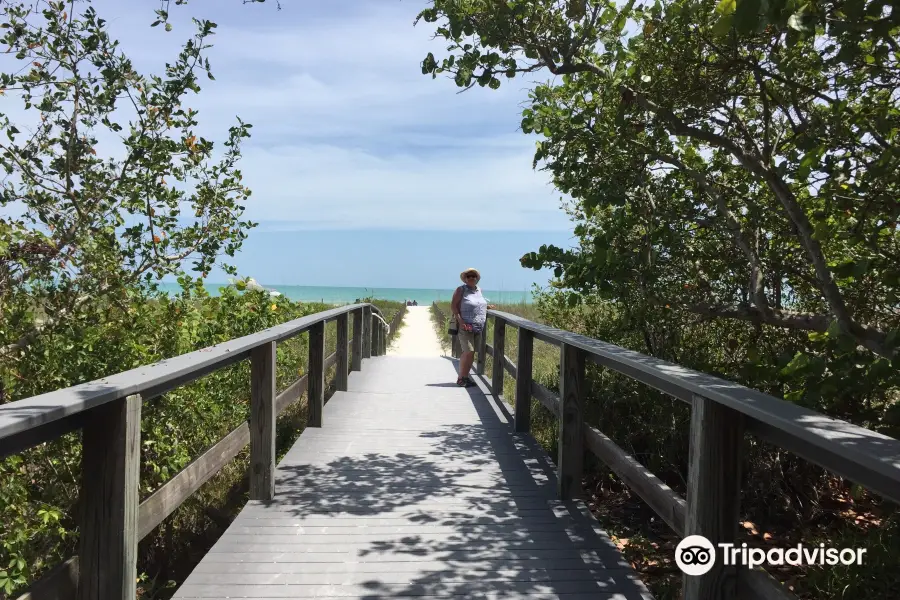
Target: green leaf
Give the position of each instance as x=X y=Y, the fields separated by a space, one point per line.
x=801 y=22
x=723 y=25
x=726 y=7
x=746 y=16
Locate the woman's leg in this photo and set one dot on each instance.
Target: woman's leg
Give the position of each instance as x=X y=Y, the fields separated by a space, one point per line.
x=465 y=363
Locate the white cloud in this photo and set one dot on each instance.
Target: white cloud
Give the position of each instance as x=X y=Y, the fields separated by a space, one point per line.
x=347 y=131
x=443 y=191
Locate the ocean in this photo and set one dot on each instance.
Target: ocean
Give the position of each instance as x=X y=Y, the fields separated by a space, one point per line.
x=348 y=295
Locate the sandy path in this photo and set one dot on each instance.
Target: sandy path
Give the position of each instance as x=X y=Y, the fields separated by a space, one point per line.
x=417 y=337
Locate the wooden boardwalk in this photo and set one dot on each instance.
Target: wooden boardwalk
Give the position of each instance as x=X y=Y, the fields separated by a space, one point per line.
x=414 y=487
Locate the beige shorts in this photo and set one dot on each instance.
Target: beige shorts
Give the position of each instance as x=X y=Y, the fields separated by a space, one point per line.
x=468 y=340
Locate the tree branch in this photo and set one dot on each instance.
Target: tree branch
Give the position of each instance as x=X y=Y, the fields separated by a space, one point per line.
x=871 y=339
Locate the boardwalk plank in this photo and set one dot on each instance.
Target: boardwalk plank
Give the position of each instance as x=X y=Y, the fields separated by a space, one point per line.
x=475 y=568
x=436 y=588
x=414 y=488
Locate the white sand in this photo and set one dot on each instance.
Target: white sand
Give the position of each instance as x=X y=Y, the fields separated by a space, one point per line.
x=417 y=337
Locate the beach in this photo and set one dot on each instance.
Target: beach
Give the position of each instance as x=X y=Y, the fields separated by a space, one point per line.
x=417 y=336
x=349 y=295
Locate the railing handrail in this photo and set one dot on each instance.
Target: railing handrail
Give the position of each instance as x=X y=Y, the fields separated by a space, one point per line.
x=112 y=518
x=859 y=454
x=154 y=379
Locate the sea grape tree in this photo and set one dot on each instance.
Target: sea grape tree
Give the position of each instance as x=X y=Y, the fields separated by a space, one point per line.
x=106 y=185
x=733 y=159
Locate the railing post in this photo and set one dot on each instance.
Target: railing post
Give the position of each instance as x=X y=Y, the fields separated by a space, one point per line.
x=571 y=421
x=523 y=380
x=367 y=332
x=315 y=387
x=714 y=493
x=373 y=335
x=342 y=365
x=262 y=422
x=356 y=363
x=498 y=373
x=482 y=349
x=110 y=464
x=455 y=348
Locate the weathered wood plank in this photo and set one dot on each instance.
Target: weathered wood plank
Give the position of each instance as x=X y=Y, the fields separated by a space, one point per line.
x=367 y=332
x=316 y=384
x=450 y=575
x=342 y=370
x=378 y=328
x=295 y=391
x=262 y=422
x=524 y=380
x=19 y=442
x=498 y=350
x=149 y=380
x=661 y=498
x=60 y=583
x=571 y=421
x=563 y=590
x=542 y=394
x=357 y=345
x=546 y=397
x=714 y=492
x=481 y=348
x=291 y=394
x=393 y=487
x=430 y=568
x=167 y=498
x=111 y=456
x=861 y=455
x=386 y=561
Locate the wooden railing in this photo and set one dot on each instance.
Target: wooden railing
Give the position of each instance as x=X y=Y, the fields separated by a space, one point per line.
x=112 y=520
x=722 y=412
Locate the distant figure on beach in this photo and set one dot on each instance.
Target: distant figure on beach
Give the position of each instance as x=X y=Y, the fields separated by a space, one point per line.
x=415 y=302
x=469 y=308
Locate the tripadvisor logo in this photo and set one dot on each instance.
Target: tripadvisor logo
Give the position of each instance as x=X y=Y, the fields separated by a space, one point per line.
x=696 y=555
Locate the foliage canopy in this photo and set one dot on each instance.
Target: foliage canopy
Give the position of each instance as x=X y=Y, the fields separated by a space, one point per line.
x=727 y=161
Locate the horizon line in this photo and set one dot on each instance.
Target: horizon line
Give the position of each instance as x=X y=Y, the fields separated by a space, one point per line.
x=349 y=286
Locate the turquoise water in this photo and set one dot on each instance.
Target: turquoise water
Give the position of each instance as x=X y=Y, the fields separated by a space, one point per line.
x=346 y=295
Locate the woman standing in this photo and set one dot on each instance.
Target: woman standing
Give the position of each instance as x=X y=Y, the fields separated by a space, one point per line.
x=469 y=308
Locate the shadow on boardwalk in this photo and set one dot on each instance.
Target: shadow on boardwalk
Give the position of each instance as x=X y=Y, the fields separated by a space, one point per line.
x=480 y=512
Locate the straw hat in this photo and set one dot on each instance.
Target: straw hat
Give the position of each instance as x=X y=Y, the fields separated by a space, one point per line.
x=477 y=274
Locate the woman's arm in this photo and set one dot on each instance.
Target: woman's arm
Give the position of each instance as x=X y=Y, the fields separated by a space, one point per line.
x=454 y=305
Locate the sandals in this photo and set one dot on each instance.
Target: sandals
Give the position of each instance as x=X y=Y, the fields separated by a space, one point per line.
x=464 y=382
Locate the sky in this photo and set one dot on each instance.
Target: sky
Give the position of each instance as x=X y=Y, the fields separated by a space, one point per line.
x=363 y=170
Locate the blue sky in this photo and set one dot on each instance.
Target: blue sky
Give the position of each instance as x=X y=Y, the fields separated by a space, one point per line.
x=363 y=170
